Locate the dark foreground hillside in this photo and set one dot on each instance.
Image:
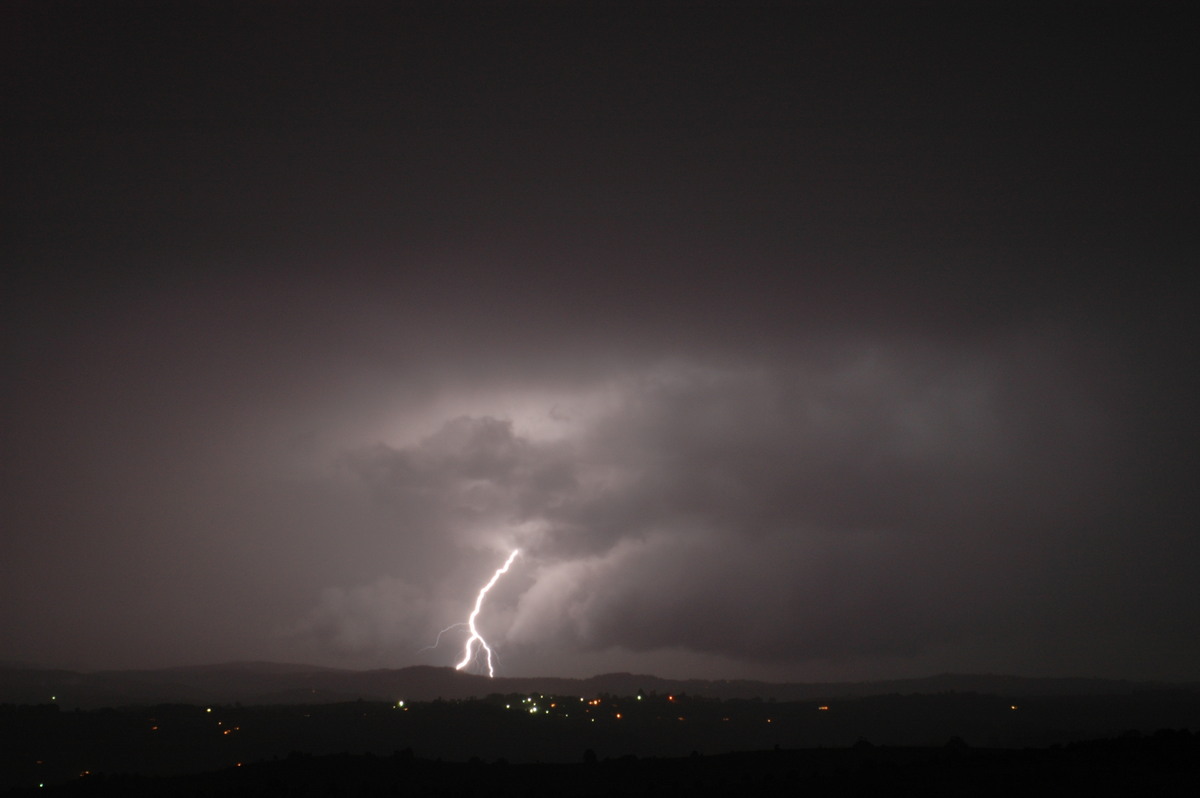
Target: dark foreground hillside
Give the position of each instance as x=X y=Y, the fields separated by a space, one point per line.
x=1165 y=764
x=547 y=744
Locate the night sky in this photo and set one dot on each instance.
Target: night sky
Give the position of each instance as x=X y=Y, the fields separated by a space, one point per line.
x=810 y=341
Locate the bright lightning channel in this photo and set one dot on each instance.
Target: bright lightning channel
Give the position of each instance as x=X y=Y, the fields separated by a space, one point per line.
x=468 y=653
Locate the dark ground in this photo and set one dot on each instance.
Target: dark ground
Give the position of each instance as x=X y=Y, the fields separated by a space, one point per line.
x=942 y=744
x=1166 y=764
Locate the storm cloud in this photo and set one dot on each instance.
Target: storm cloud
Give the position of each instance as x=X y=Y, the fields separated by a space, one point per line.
x=857 y=500
x=804 y=343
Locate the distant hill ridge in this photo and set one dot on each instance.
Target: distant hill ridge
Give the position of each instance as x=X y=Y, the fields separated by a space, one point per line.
x=290 y=683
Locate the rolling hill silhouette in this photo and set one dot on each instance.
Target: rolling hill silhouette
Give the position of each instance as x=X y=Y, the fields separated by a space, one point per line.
x=287 y=683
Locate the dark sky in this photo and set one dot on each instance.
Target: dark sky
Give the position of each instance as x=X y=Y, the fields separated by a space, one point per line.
x=793 y=341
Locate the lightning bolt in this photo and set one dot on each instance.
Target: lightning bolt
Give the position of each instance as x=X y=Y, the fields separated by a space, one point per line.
x=468 y=653
x=437 y=641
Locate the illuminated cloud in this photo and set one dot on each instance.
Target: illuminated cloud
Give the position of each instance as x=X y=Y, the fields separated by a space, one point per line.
x=823 y=508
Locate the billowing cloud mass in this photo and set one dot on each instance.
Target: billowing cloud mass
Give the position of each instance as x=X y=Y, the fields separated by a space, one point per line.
x=807 y=343
x=862 y=501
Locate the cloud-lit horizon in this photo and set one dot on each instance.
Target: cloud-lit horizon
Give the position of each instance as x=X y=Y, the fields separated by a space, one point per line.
x=793 y=346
